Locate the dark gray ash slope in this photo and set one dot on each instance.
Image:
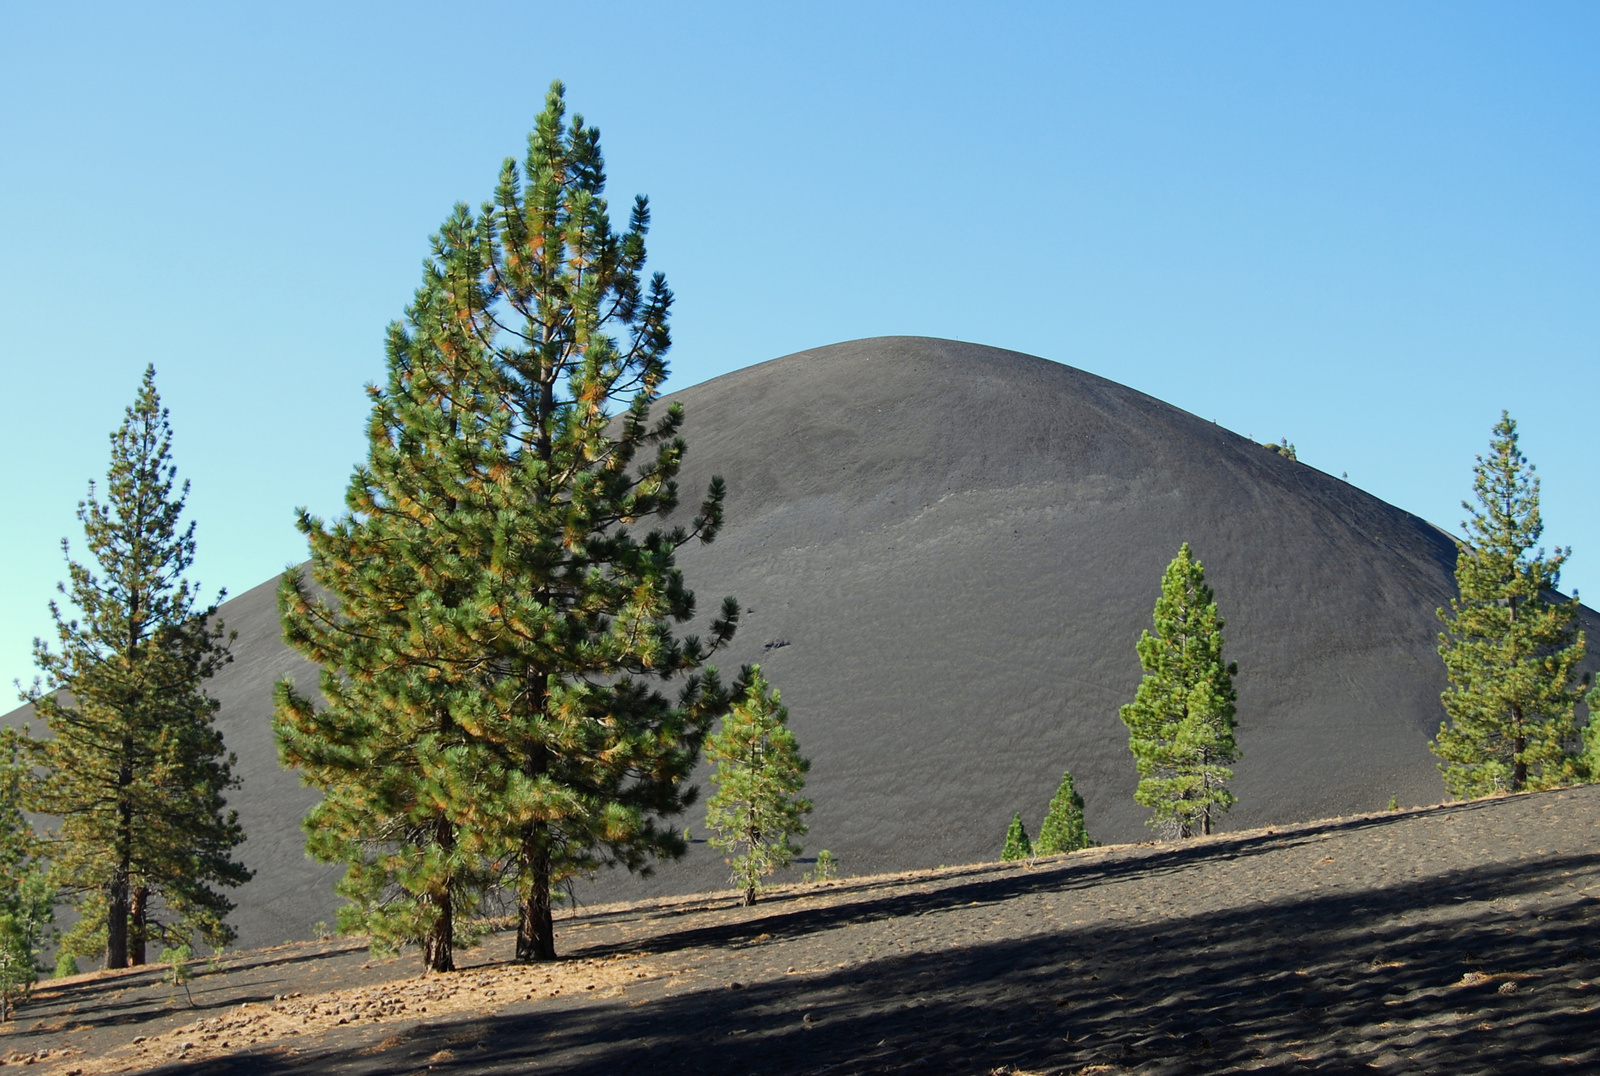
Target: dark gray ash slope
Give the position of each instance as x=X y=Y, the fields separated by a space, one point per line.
x=946 y=553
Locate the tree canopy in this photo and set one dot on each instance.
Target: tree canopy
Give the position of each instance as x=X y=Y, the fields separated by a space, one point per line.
x=1511 y=644
x=495 y=617
x=756 y=809
x=1017 y=845
x=26 y=896
x=1063 y=828
x=1181 y=721
x=135 y=767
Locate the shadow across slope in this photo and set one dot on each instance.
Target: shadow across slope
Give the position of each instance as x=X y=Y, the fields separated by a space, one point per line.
x=1454 y=939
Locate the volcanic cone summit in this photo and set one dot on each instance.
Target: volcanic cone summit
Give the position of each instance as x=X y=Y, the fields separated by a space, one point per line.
x=946 y=553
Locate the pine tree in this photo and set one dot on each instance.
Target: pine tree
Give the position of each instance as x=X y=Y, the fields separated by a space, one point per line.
x=27 y=898
x=1062 y=829
x=1511 y=645
x=1589 y=761
x=1017 y=844
x=137 y=768
x=756 y=808
x=1181 y=720
x=496 y=628
x=1284 y=448
x=397 y=767
x=19 y=845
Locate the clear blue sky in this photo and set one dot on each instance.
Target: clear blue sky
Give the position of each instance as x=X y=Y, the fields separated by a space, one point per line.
x=1368 y=227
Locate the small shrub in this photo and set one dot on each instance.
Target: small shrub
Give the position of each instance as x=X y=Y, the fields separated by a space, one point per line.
x=827 y=867
x=66 y=964
x=178 y=974
x=1063 y=829
x=1017 y=844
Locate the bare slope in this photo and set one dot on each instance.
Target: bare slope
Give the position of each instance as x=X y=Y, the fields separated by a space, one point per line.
x=1456 y=940
x=946 y=553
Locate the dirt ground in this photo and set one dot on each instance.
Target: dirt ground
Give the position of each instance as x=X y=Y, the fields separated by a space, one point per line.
x=1457 y=939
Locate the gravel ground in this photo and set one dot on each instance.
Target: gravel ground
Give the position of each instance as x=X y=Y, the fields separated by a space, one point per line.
x=1455 y=939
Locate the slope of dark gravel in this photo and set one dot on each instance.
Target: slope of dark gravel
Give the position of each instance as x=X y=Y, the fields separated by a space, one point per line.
x=946 y=553
x=1457 y=939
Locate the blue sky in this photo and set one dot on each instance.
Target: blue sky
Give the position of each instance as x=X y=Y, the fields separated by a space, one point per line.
x=1368 y=227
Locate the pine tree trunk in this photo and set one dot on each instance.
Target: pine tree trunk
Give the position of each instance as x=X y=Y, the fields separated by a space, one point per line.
x=536 y=931
x=1519 y=744
x=752 y=837
x=439 y=946
x=117 y=920
x=117 y=894
x=138 y=932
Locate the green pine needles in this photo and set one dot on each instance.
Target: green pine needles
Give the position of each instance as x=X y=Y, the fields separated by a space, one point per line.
x=494 y=619
x=1511 y=645
x=27 y=898
x=757 y=809
x=1017 y=845
x=1181 y=720
x=1063 y=828
x=136 y=769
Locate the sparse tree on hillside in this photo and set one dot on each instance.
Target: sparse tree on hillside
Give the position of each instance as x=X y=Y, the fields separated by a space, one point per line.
x=1017 y=844
x=1511 y=645
x=1284 y=448
x=136 y=767
x=1181 y=721
x=1062 y=829
x=498 y=628
x=756 y=809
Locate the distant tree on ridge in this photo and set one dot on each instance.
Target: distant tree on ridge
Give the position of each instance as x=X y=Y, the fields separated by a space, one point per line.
x=1284 y=448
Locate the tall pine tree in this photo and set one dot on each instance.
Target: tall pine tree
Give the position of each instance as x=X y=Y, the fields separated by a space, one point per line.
x=400 y=771
x=1181 y=720
x=757 y=807
x=1511 y=644
x=137 y=769
x=497 y=628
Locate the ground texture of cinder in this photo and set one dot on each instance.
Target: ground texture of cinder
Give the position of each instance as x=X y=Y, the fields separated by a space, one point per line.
x=1457 y=939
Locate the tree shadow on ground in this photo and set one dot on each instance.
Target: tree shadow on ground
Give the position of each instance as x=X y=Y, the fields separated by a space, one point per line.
x=1147 y=862
x=1411 y=977
x=988 y=884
